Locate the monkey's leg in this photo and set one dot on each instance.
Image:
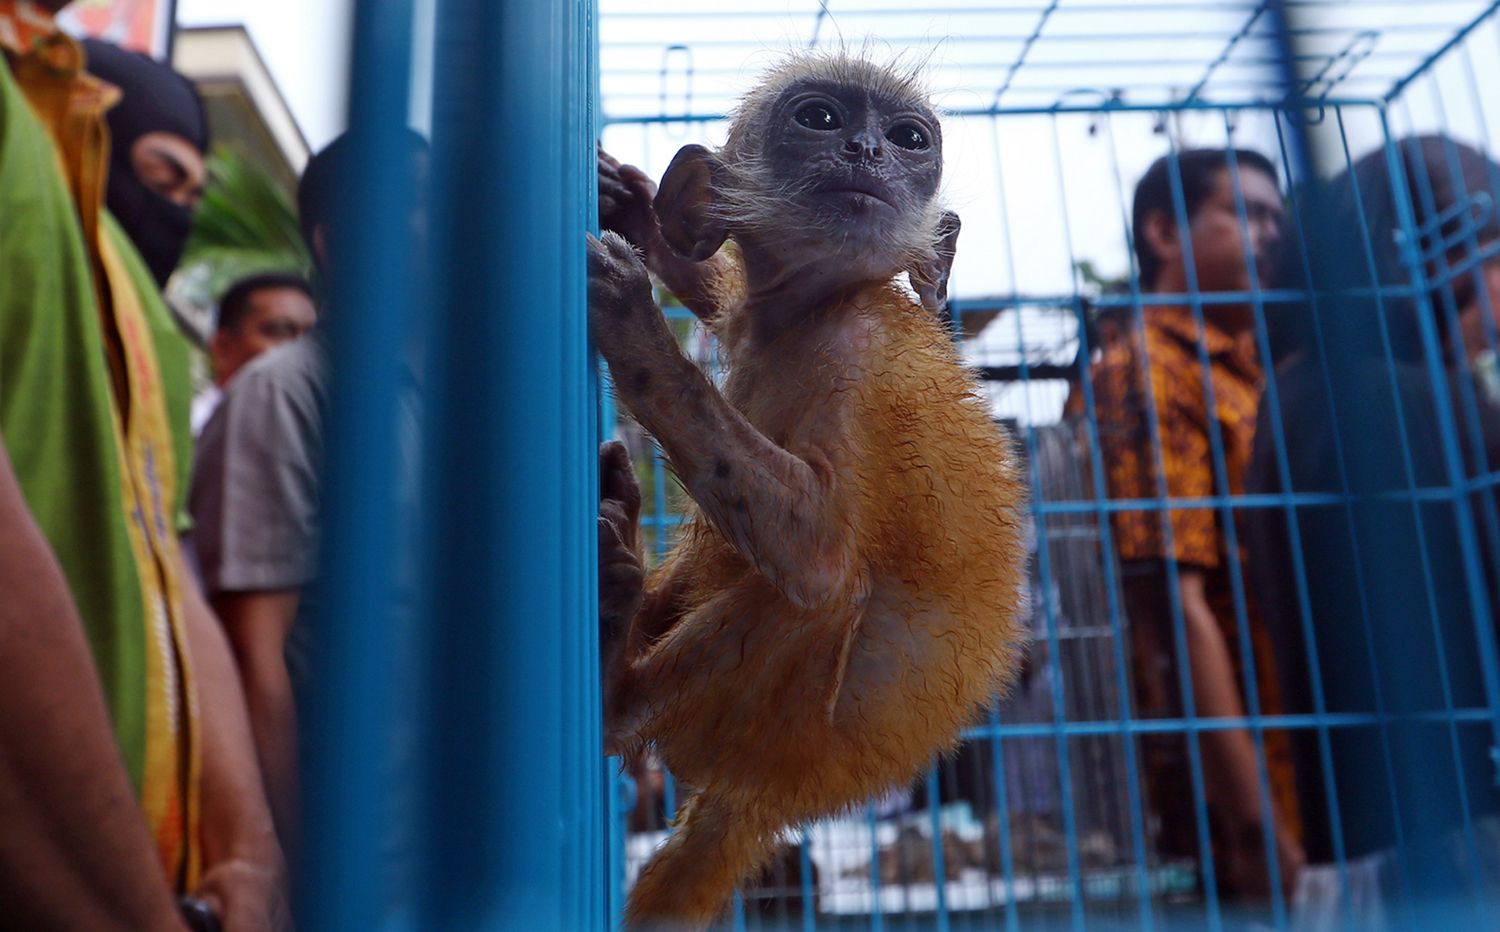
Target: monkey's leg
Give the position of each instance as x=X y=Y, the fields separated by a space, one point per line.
x=783 y=510
x=621 y=570
x=692 y=877
x=624 y=700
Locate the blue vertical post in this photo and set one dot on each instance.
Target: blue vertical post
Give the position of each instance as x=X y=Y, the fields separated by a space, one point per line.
x=515 y=789
x=1380 y=468
x=350 y=714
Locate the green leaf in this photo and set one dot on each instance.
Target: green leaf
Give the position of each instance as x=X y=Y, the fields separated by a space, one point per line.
x=245 y=224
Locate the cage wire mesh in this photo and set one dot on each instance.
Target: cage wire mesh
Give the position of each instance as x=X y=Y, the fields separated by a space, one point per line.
x=1050 y=814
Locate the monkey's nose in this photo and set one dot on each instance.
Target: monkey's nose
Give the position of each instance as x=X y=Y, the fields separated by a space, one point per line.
x=863 y=145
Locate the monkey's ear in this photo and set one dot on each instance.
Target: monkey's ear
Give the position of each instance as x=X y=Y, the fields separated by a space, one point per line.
x=684 y=204
x=929 y=275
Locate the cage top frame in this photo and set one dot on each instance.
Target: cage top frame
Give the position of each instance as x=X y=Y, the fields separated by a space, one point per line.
x=674 y=61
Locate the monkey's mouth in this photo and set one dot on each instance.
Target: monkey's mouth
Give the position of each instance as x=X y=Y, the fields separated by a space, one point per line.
x=859 y=192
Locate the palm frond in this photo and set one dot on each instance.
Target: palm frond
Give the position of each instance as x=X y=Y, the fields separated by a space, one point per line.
x=245 y=216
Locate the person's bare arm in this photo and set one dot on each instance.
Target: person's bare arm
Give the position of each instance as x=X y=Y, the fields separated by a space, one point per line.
x=258 y=624
x=75 y=852
x=244 y=876
x=1215 y=687
x=1229 y=756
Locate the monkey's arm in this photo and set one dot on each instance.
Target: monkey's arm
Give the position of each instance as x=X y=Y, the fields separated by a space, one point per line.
x=775 y=507
x=625 y=196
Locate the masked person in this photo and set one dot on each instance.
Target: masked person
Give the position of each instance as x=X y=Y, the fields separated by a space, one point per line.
x=154 y=181
x=158 y=136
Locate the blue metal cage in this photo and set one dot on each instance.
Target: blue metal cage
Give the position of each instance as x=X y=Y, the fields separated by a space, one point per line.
x=507 y=817
x=1043 y=818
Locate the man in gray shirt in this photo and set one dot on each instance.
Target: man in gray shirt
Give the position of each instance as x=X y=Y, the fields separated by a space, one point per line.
x=254 y=495
x=255 y=503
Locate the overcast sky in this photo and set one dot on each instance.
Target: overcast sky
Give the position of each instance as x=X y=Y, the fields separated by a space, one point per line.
x=1036 y=193
x=1017 y=172
x=305 y=43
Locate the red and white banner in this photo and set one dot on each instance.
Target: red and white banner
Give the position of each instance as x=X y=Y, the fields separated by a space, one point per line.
x=142 y=25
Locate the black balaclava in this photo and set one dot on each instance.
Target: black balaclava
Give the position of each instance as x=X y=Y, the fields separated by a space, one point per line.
x=155 y=99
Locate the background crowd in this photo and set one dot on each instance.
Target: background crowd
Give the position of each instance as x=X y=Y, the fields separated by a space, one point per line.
x=159 y=539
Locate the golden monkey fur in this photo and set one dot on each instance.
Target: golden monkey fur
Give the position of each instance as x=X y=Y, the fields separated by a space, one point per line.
x=844 y=597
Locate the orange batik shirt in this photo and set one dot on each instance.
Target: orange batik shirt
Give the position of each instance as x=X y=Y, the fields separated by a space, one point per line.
x=1158 y=365
x=1182 y=422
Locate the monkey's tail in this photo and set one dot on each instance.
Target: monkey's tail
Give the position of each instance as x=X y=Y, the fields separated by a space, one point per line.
x=713 y=848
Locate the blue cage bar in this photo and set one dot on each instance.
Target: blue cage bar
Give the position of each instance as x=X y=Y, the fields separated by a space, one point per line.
x=1071 y=99
x=455 y=779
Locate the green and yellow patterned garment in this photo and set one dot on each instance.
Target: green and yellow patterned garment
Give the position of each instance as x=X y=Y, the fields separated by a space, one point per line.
x=84 y=413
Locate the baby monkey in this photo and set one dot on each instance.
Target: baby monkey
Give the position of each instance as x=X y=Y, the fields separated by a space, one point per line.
x=844 y=597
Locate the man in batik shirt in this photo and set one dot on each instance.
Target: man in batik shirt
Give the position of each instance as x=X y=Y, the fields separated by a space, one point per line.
x=1164 y=391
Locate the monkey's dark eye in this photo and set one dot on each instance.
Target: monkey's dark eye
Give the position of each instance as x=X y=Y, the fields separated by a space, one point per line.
x=907 y=136
x=817 y=116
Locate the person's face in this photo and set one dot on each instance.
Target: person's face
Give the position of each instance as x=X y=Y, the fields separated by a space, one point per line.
x=170 y=166
x=1219 y=244
x=1486 y=300
x=276 y=316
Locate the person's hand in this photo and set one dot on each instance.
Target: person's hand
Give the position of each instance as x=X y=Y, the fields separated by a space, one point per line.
x=625 y=196
x=247 y=896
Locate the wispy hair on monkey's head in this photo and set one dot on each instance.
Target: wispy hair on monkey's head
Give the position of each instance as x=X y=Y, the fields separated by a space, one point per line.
x=895 y=79
x=754 y=200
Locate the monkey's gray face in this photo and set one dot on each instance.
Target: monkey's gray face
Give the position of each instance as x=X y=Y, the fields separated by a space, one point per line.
x=862 y=168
